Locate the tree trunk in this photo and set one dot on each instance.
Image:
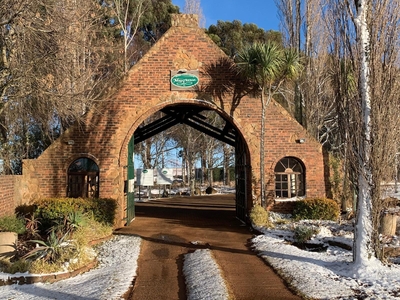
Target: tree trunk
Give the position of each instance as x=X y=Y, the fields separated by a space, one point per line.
x=226 y=165
x=262 y=167
x=363 y=242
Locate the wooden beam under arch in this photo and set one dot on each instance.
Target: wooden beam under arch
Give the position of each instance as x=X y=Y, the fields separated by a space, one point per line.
x=191 y=116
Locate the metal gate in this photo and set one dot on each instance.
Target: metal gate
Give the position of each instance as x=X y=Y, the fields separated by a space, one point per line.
x=241 y=169
x=130 y=192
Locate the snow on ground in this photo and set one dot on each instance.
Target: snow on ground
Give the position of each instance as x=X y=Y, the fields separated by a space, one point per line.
x=156 y=192
x=110 y=280
x=317 y=275
x=203 y=277
x=329 y=274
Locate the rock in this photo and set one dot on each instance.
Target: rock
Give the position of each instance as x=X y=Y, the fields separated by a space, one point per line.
x=197 y=192
x=388 y=224
x=210 y=190
x=8 y=244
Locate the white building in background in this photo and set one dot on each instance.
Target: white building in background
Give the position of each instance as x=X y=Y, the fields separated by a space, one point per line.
x=150 y=177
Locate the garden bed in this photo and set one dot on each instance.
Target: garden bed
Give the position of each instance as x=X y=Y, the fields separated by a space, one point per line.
x=26 y=278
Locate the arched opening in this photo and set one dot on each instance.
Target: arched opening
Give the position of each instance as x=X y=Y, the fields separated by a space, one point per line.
x=289 y=178
x=83 y=179
x=209 y=124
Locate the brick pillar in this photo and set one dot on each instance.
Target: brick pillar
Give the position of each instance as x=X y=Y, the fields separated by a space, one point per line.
x=185 y=20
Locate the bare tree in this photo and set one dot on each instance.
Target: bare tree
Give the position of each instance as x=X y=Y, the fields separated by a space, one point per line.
x=368 y=108
x=310 y=99
x=55 y=66
x=351 y=98
x=194 y=7
x=128 y=14
x=364 y=248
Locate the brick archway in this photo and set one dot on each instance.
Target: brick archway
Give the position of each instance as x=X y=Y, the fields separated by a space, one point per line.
x=243 y=172
x=147 y=89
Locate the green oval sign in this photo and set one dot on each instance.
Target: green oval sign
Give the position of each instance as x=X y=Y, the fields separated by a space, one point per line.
x=145 y=171
x=184 y=80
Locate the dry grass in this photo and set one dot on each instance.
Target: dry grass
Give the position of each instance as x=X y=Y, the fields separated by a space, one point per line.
x=259 y=216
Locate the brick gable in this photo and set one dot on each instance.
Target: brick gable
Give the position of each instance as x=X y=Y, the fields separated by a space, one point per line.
x=146 y=89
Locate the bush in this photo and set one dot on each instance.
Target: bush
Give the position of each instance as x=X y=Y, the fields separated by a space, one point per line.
x=316 y=209
x=19 y=266
x=25 y=210
x=259 y=216
x=62 y=230
x=13 y=224
x=50 y=250
x=304 y=233
x=103 y=209
x=55 y=210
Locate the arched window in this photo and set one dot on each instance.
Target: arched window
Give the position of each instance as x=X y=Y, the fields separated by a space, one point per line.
x=289 y=178
x=83 y=179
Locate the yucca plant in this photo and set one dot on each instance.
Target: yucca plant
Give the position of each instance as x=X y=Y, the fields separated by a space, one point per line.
x=74 y=220
x=32 y=226
x=51 y=249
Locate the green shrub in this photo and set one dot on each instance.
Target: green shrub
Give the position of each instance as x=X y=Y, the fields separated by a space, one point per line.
x=259 y=216
x=103 y=210
x=304 y=233
x=25 y=210
x=316 y=209
x=54 y=223
x=19 y=266
x=69 y=224
x=13 y=224
x=56 y=210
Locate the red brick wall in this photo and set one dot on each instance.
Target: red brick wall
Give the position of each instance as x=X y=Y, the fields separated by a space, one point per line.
x=146 y=90
x=7 y=194
x=283 y=207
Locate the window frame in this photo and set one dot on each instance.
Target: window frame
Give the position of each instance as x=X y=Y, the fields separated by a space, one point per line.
x=289 y=174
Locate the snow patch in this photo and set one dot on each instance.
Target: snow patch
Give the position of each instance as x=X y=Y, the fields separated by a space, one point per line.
x=202 y=276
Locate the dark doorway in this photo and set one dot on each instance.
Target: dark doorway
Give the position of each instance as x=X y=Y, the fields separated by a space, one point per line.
x=83 y=179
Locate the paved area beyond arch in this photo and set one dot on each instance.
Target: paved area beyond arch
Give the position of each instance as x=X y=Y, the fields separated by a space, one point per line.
x=169 y=226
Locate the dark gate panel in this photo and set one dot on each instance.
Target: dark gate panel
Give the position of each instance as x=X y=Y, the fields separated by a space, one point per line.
x=241 y=169
x=83 y=185
x=76 y=183
x=83 y=179
x=130 y=195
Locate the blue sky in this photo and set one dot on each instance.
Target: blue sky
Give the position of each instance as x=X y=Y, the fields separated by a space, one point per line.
x=263 y=13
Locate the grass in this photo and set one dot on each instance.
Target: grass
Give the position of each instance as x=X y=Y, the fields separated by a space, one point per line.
x=259 y=216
